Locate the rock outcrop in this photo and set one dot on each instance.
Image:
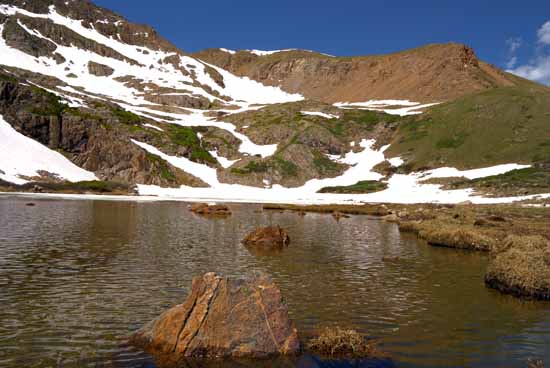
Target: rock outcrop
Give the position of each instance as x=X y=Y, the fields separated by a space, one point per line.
x=97 y=140
x=272 y=236
x=99 y=70
x=222 y=317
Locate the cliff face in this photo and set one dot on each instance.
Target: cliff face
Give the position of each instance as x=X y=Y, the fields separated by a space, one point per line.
x=97 y=140
x=439 y=72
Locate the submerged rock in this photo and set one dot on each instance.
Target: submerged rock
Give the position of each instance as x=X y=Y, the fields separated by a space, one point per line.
x=272 y=236
x=222 y=317
x=521 y=268
x=212 y=210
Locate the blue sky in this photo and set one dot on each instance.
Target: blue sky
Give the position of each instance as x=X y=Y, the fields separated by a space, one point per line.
x=507 y=33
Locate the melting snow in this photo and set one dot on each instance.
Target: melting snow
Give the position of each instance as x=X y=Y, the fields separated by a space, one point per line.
x=271 y=52
x=23 y=156
x=396 y=161
x=153 y=127
x=321 y=114
x=401 y=188
x=226 y=163
x=232 y=52
x=409 y=108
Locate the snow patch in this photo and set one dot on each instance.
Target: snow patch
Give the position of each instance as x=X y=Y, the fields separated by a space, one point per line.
x=321 y=114
x=226 y=163
x=396 y=161
x=409 y=107
x=232 y=52
x=153 y=127
x=23 y=156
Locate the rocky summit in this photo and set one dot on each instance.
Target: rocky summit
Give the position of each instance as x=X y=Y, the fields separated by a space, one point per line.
x=110 y=106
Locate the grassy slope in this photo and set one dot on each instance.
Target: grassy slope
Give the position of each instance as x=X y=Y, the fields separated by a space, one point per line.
x=502 y=125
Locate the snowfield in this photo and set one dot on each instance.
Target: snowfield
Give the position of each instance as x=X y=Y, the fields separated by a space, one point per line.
x=21 y=157
x=401 y=188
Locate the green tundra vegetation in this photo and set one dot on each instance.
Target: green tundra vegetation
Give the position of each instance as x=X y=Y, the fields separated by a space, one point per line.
x=364 y=186
x=497 y=126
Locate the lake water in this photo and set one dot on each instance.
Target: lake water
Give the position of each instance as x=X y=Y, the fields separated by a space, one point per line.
x=77 y=277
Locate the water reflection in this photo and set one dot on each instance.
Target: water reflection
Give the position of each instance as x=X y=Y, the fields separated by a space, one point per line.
x=77 y=276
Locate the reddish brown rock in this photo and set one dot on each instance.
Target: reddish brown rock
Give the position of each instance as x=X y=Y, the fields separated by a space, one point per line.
x=222 y=317
x=272 y=236
x=212 y=210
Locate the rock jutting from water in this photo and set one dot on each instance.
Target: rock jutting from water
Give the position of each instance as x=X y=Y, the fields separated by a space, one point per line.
x=210 y=210
x=271 y=236
x=221 y=318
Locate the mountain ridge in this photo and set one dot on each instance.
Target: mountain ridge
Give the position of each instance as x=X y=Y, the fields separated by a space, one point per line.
x=435 y=72
x=118 y=100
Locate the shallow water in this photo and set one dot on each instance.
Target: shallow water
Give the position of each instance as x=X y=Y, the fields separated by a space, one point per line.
x=76 y=277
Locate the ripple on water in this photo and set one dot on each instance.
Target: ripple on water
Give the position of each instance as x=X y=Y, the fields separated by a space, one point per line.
x=76 y=277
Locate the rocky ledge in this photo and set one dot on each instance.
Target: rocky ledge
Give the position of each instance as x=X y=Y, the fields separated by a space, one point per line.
x=222 y=318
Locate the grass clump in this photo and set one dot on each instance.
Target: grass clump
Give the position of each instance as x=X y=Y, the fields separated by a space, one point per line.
x=457 y=237
x=162 y=166
x=79 y=187
x=97 y=186
x=450 y=235
x=364 y=186
x=342 y=342
x=522 y=267
x=187 y=137
x=126 y=117
x=251 y=167
x=287 y=168
x=51 y=105
x=323 y=164
x=368 y=117
x=8 y=78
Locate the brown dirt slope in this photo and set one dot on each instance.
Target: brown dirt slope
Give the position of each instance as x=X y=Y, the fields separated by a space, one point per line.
x=438 y=72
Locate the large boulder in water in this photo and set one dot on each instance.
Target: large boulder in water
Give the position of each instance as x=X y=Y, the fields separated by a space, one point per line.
x=222 y=317
x=272 y=236
x=211 y=209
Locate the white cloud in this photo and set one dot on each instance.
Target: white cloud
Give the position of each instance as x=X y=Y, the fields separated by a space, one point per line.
x=514 y=44
x=538 y=70
x=512 y=62
x=544 y=33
